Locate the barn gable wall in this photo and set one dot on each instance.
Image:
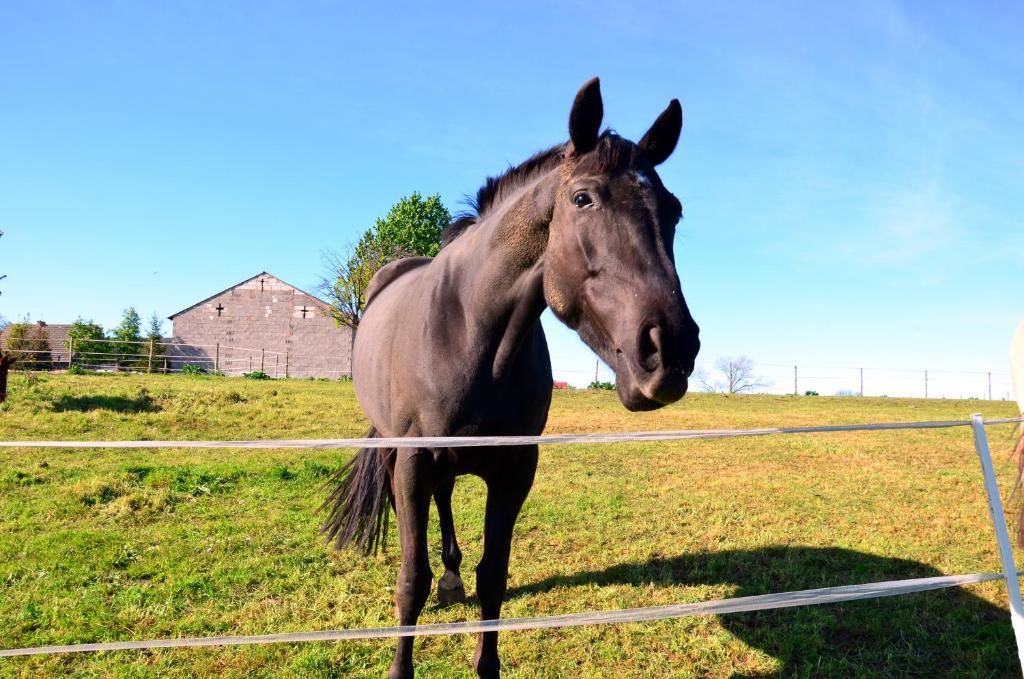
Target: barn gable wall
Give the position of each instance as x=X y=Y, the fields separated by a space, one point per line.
x=261 y=322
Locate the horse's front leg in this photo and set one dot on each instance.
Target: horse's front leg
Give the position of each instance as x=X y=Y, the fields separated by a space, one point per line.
x=450 y=589
x=507 y=488
x=413 y=484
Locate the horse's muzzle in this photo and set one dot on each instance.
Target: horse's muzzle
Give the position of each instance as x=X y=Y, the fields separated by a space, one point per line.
x=659 y=371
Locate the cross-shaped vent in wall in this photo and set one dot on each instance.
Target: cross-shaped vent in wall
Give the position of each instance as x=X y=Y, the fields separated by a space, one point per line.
x=262 y=280
x=304 y=310
x=220 y=308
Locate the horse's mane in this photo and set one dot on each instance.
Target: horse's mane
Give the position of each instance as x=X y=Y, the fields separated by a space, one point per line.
x=611 y=152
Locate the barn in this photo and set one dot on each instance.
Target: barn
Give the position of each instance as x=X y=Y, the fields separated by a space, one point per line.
x=261 y=323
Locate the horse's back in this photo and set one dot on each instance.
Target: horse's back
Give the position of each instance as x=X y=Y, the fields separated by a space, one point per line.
x=390 y=272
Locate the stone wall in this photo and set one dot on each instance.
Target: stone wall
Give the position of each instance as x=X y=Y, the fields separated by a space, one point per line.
x=263 y=323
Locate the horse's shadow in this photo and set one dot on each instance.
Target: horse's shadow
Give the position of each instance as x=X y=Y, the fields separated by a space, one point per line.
x=118 y=404
x=947 y=632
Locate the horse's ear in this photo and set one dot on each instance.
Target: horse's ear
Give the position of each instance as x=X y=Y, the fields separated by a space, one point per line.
x=585 y=118
x=659 y=142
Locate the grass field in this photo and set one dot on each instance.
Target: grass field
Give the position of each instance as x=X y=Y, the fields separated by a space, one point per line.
x=101 y=545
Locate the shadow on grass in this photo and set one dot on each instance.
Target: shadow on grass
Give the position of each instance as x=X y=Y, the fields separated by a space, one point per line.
x=945 y=633
x=119 y=404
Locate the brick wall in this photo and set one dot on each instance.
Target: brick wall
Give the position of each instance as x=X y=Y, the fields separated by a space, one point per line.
x=263 y=322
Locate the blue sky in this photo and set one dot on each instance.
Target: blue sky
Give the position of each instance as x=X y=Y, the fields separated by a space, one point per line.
x=851 y=173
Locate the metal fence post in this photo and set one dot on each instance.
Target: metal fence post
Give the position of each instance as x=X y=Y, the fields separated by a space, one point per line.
x=995 y=510
x=216 y=359
x=263 y=358
x=796 y=392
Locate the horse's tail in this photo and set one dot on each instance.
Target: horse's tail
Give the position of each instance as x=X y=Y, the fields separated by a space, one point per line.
x=359 y=506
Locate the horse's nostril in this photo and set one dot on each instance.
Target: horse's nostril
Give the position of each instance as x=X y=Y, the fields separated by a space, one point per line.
x=649 y=345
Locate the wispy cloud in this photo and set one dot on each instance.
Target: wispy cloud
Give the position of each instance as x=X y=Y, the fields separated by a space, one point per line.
x=904 y=227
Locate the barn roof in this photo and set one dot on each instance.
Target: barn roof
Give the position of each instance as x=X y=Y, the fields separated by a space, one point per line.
x=239 y=284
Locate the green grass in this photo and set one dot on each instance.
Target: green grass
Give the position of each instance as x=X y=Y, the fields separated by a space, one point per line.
x=101 y=545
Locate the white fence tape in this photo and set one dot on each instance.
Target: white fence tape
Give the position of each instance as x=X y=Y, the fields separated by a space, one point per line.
x=490 y=441
x=760 y=602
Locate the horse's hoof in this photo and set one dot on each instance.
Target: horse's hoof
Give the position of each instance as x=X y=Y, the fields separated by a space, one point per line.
x=450 y=590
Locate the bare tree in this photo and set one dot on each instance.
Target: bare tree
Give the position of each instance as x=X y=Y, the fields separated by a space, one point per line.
x=734 y=375
x=706 y=382
x=739 y=374
x=347 y=277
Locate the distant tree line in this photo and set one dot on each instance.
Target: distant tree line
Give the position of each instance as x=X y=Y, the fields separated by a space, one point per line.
x=127 y=344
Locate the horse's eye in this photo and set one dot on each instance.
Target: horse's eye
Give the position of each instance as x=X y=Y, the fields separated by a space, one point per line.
x=582 y=200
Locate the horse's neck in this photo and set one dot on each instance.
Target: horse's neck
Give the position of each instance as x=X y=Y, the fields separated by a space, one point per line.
x=503 y=260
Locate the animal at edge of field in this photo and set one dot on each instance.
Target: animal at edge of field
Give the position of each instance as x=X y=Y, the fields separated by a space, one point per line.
x=453 y=346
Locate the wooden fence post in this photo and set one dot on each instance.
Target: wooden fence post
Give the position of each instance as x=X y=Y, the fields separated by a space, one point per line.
x=216 y=359
x=71 y=351
x=149 y=364
x=286 y=365
x=263 y=360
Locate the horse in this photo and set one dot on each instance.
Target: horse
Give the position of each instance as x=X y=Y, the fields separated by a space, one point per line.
x=453 y=346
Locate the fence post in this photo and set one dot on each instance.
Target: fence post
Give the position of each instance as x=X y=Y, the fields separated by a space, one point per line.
x=926 y=384
x=263 y=358
x=286 y=365
x=216 y=359
x=250 y=362
x=71 y=351
x=796 y=392
x=277 y=364
x=165 y=365
x=862 y=382
x=995 y=510
x=149 y=365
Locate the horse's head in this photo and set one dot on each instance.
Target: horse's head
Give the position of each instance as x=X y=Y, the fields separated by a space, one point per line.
x=609 y=269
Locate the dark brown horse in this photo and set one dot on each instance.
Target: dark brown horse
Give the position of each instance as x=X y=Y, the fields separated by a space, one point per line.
x=453 y=346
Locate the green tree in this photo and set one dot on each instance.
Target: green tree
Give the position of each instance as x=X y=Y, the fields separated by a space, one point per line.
x=414 y=225
x=155 y=335
x=127 y=337
x=87 y=340
x=411 y=227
